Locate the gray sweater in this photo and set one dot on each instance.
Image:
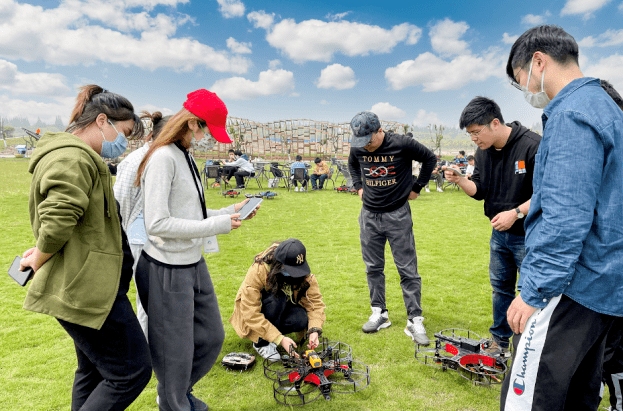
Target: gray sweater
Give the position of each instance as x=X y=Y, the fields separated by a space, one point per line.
x=173 y=218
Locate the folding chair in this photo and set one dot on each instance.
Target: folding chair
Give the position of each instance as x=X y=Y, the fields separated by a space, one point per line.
x=209 y=171
x=257 y=176
x=280 y=175
x=299 y=175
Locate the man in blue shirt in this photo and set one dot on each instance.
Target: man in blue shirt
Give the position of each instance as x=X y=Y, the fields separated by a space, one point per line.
x=572 y=291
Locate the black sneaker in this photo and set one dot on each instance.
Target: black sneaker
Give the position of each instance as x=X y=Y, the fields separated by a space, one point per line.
x=195 y=403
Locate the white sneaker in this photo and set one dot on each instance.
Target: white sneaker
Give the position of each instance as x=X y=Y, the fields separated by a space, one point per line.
x=268 y=351
x=302 y=189
x=427 y=189
x=296 y=189
x=415 y=329
x=376 y=321
x=440 y=189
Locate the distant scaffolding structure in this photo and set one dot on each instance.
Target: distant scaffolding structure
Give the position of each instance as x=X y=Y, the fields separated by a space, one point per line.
x=284 y=139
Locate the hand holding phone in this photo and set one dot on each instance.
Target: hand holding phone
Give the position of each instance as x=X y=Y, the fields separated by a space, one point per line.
x=21 y=277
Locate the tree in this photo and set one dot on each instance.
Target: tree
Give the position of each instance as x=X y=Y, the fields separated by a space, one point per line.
x=59 y=123
x=39 y=123
x=436 y=137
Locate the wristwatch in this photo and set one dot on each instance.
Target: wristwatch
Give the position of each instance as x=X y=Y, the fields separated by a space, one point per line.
x=519 y=213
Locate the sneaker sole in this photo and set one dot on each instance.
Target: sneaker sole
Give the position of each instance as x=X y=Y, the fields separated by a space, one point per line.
x=384 y=325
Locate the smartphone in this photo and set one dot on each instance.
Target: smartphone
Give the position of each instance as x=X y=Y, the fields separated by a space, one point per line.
x=455 y=171
x=249 y=207
x=21 y=277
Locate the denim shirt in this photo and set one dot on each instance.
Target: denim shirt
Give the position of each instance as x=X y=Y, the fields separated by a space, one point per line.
x=574 y=230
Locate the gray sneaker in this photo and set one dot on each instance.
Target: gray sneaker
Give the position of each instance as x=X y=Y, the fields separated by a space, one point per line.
x=415 y=329
x=268 y=351
x=377 y=320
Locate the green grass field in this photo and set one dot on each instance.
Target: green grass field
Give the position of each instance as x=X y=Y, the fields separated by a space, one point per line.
x=452 y=242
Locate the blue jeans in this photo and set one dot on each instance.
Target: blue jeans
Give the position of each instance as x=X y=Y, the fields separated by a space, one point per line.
x=316 y=177
x=507 y=253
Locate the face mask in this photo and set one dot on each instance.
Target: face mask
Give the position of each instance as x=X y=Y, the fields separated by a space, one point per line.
x=292 y=280
x=536 y=100
x=112 y=149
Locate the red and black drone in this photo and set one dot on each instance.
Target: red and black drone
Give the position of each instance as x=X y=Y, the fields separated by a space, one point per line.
x=300 y=378
x=231 y=193
x=463 y=351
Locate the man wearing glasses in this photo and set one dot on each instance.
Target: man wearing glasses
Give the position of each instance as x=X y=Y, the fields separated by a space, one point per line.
x=502 y=177
x=572 y=275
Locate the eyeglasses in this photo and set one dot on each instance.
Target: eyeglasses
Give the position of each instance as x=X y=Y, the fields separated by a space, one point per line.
x=473 y=134
x=514 y=82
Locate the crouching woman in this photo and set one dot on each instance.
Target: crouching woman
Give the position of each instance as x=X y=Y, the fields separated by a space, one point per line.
x=278 y=296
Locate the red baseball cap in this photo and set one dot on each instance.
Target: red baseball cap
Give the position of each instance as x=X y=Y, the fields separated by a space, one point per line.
x=211 y=109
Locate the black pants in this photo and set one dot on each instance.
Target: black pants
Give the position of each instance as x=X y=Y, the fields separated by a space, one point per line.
x=240 y=175
x=185 y=327
x=613 y=366
x=557 y=362
x=113 y=362
x=282 y=313
x=228 y=172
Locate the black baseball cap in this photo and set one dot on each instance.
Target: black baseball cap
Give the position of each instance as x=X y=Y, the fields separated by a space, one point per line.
x=292 y=254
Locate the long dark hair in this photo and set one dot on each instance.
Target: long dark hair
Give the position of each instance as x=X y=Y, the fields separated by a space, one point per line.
x=94 y=100
x=274 y=281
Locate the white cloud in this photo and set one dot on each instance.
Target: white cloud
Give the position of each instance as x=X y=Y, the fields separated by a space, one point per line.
x=270 y=82
x=324 y=102
x=445 y=35
x=621 y=7
x=424 y=118
x=608 y=68
x=274 y=64
x=584 y=7
x=336 y=76
x=238 y=48
x=535 y=19
x=386 y=111
x=508 y=39
x=67 y=35
x=608 y=38
x=261 y=19
x=337 y=16
x=152 y=109
x=33 y=84
x=437 y=74
x=46 y=111
x=231 y=8
x=315 y=40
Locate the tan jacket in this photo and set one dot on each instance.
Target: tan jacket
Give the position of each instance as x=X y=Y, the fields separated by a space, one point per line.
x=250 y=323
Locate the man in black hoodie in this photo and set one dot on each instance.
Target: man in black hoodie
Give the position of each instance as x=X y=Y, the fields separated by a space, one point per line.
x=503 y=179
x=380 y=164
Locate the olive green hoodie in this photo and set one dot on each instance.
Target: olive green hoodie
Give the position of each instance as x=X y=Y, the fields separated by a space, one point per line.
x=73 y=214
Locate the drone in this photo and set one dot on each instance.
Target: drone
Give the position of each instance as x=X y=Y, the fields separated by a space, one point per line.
x=463 y=351
x=301 y=377
x=230 y=193
x=346 y=189
x=266 y=194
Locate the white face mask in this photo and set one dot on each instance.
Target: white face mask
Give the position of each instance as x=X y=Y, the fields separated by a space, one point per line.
x=536 y=100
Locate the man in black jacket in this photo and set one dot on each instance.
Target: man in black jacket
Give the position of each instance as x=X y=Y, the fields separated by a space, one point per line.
x=503 y=179
x=380 y=165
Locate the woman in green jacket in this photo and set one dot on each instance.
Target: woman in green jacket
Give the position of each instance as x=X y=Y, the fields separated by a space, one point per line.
x=82 y=260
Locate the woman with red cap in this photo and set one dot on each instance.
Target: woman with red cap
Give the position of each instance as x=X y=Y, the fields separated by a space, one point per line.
x=185 y=327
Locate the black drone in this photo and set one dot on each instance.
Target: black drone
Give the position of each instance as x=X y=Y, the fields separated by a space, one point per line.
x=300 y=378
x=463 y=351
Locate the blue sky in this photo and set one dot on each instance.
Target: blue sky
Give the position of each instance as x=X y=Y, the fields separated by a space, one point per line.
x=413 y=62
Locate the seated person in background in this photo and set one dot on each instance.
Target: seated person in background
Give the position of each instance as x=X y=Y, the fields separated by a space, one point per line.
x=278 y=296
x=244 y=168
x=437 y=175
x=320 y=172
x=244 y=155
x=460 y=159
x=299 y=164
x=471 y=164
x=227 y=172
